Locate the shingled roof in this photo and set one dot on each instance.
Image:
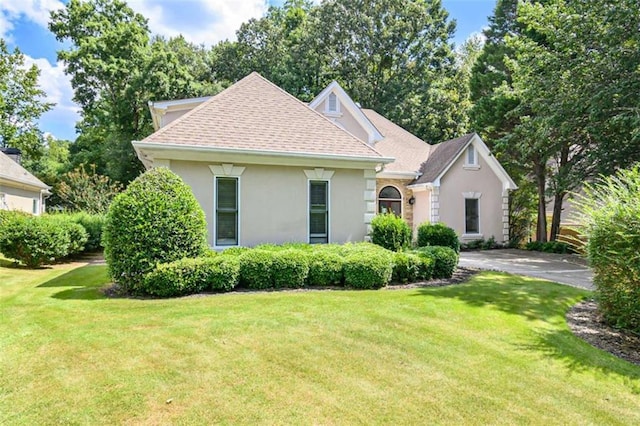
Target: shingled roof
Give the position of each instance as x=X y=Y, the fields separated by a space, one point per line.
x=408 y=150
x=441 y=156
x=13 y=172
x=256 y=115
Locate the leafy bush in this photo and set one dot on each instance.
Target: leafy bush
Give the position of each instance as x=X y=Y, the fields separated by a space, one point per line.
x=367 y=269
x=549 y=247
x=189 y=276
x=93 y=224
x=255 y=269
x=438 y=234
x=610 y=214
x=155 y=220
x=390 y=231
x=406 y=267
x=445 y=260
x=325 y=268
x=233 y=251
x=289 y=268
x=34 y=240
x=424 y=266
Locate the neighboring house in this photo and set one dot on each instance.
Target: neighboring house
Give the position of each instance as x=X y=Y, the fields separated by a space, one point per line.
x=266 y=167
x=19 y=189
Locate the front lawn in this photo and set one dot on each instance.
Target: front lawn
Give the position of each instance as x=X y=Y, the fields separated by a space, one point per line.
x=495 y=350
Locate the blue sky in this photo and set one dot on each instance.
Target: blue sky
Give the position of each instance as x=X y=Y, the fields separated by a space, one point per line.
x=23 y=24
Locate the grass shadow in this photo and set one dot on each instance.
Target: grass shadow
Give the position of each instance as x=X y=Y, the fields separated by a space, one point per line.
x=534 y=300
x=84 y=283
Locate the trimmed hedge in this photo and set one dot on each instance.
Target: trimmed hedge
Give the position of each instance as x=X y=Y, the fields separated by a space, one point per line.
x=391 y=232
x=437 y=234
x=93 y=224
x=549 y=247
x=155 y=220
x=325 y=268
x=255 y=269
x=39 y=240
x=367 y=269
x=445 y=260
x=189 y=276
x=289 y=268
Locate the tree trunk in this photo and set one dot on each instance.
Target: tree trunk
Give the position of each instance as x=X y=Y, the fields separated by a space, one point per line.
x=557 y=215
x=541 y=182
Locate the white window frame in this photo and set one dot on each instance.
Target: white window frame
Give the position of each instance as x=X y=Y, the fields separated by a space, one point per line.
x=474 y=164
x=476 y=197
x=332 y=113
x=35 y=207
x=328 y=181
x=215 y=212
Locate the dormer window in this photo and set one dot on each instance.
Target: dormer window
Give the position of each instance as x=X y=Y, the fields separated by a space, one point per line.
x=332 y=103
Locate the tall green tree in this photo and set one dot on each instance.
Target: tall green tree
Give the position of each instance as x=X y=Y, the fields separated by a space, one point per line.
x=116 y=68
x=21 y=104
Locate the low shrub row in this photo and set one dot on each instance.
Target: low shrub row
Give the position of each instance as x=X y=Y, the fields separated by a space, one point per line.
x=549 y=247
x=358 y=266
x=40 y=240
x=393 y=233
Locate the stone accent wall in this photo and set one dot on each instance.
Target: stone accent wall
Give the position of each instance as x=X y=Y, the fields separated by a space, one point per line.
x=435 y=204
x=401 y=185
x=505 y=217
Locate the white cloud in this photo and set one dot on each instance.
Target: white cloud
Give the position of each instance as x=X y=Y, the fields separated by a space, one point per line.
x=199 y=21
x=33 y=10
x=57 y=86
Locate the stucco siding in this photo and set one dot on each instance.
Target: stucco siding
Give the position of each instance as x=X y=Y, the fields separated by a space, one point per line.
x=421 y=209
x=346 y=120
x=19 y=199
x=483 y=181
x=274 y=202
x=170 y=116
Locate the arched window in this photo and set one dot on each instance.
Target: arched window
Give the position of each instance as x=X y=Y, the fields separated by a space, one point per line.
x=390 y=201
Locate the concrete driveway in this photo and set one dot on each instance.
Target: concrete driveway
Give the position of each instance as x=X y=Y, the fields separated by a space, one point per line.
x=562 y=268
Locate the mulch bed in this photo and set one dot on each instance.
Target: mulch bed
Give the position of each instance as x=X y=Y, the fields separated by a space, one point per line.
x=586 y=322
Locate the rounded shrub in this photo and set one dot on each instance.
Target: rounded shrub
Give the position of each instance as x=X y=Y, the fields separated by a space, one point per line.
x=404 y=267
x=34 y=240
x=367 y=269
x=325 y=267
x=609 y=211
x=390 y=231
x=445 y=260
x=93 y=224
x=437 y=234
x=189 y=276
x=155 y=220
x=425 y=264
x=289 y=268
x=255 y=269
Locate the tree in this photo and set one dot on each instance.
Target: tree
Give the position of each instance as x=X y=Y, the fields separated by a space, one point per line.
x=86 y=192
x=21 y=104
x=116 y=68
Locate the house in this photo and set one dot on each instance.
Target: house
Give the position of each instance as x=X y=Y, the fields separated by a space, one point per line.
x=19 y=189
x=267 y=167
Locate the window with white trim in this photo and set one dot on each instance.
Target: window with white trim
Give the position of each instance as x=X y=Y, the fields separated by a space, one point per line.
x=471 y=216
x=34 y=206
x=226 y=226
x=332 y=103
x=318 y=211
x=390 y=201
x=472 y=156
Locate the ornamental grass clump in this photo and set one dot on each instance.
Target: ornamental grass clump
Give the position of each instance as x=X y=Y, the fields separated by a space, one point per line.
x=609 y=211
x=155 y=220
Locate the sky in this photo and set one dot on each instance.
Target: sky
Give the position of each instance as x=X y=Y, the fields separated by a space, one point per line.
x=23 y=24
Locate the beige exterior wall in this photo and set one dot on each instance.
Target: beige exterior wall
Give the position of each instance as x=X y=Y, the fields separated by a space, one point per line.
x=400 y=185
x=170 y=116
x=421 y=209
x=346 y=120
x=20 y=199
x=459 y=180
x=274 y=201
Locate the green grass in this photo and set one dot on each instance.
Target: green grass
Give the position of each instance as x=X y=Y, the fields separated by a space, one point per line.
x=495 y=350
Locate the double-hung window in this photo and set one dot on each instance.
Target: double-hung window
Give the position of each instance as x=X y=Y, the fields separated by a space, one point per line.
x=318 y=211
x=226 y=226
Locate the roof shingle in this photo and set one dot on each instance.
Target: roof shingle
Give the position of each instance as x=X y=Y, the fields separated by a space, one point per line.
x=441 y=156
x=12 y=171
x=255 y=114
